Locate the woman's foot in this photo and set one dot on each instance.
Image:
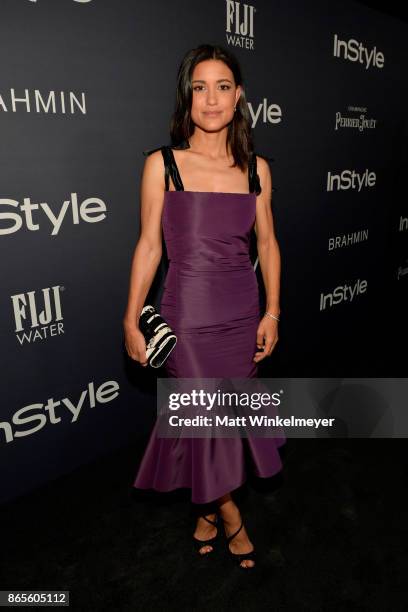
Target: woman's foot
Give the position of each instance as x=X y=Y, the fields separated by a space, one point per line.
x=205 y=531
x=241 y=543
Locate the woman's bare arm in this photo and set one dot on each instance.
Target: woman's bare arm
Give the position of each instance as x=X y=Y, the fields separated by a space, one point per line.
x=148 y=251
x=268 y=248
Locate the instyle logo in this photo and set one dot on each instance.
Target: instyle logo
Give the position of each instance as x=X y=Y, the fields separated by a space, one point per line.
x=342 y=293
x=350 y=179
x=53 y=411
x=55 y=102
x=345 y=240
x=91 y=210
x=360 y=122
x=240 y=24
x=403 y=224
x=38 y=316
x=267 y=113
x=354 y=51
x=402 y=271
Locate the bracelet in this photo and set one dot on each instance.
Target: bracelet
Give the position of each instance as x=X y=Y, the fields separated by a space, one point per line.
x=271 y=315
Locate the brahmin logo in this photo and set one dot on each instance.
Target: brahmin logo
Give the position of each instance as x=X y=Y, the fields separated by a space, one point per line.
x=35 y=101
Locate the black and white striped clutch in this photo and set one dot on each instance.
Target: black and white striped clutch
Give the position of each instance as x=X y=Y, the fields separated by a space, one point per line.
x=160 y=338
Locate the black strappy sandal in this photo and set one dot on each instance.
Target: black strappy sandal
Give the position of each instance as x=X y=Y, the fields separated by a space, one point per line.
x=198 y=544
x=239 y=557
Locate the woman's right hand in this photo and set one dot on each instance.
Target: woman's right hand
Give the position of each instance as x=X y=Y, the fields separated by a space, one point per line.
x=135 y=344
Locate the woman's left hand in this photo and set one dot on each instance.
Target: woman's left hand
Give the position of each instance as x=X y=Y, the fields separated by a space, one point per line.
x=266 y=337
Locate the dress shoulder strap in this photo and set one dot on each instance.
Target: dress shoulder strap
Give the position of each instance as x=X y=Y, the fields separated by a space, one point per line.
x=253 y=178
x=171 y=169
x=254 y=182
x=170 y=166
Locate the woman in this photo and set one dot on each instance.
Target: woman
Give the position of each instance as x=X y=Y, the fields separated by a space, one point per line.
x=208 y=190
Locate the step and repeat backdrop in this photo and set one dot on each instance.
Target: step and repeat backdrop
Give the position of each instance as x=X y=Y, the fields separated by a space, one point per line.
x=86 y=86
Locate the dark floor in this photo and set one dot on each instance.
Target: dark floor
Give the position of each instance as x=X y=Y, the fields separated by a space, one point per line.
x=331 y=533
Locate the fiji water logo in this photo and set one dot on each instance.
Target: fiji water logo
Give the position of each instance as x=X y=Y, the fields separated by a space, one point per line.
x=240 y=24
x=38 y=315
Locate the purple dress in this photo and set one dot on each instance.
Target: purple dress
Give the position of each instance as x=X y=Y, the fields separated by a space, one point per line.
x=211 y=301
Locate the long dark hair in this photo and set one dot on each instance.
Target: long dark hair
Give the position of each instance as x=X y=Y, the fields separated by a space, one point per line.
x=239 y=135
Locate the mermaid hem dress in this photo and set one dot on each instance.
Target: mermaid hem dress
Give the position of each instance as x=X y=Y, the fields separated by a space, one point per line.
x=211 y=301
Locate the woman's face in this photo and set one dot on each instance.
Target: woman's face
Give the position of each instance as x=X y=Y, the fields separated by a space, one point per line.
x=214 y=95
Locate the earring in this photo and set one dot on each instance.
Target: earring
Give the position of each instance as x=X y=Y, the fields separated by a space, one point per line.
x=235 y=108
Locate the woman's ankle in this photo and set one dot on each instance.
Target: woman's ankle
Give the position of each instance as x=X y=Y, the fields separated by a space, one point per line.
x=209 y=510
x=230 y=512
